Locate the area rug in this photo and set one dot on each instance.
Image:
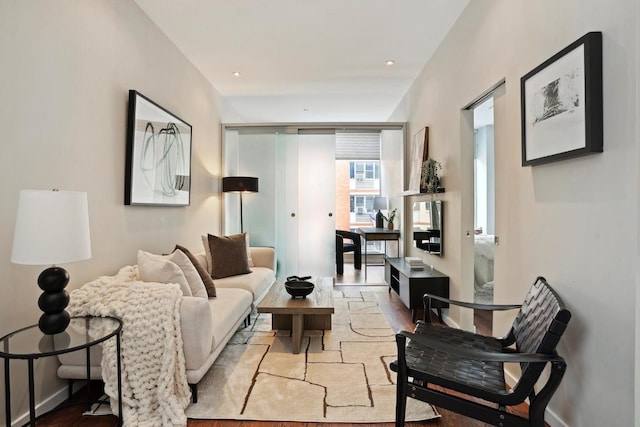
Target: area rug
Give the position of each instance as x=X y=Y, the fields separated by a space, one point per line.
x=341 y=375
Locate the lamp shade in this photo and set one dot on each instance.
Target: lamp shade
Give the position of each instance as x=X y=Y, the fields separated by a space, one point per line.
x=243 y=184
x=379 y=203
x=52 y=227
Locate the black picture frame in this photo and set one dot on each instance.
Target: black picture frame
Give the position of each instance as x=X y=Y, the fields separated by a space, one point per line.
x=158 y=155
x=561 y=104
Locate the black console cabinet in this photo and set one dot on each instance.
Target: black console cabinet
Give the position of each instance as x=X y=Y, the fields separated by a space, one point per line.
x=411 y=285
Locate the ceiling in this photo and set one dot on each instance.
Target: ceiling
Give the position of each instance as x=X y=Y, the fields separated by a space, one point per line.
x=307 y=61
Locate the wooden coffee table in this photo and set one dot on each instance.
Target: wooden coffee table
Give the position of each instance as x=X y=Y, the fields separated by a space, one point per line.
x=296 y=315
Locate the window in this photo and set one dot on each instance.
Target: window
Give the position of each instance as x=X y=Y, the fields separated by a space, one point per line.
x=364 y=170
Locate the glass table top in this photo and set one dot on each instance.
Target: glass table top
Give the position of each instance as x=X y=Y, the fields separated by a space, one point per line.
x=82 y=332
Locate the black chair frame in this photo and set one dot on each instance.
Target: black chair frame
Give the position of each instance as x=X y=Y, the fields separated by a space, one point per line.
x=341 y=247
x=472 y=365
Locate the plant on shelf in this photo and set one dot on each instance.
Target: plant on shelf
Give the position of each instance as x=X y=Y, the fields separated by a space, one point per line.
x=431 y=170
x=392 y=216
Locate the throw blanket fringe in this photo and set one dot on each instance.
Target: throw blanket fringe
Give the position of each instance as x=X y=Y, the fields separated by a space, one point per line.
x=154 y=382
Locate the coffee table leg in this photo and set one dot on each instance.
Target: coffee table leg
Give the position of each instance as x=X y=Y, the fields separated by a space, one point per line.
x=297 y=329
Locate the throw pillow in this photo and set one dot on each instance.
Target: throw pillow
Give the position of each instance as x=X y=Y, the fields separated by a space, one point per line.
x=228 y=255
x=193 y=277
x=250 y=259
x=207 y=253
x=202 y=271
x=156 y=268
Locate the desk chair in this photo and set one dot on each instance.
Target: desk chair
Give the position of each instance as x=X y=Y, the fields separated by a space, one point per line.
x=354 y=246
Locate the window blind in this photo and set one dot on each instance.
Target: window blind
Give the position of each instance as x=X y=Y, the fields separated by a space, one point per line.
x=357 y=145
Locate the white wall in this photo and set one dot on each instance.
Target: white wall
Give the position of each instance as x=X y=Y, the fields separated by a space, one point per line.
x=575 y=221
x=65 y=70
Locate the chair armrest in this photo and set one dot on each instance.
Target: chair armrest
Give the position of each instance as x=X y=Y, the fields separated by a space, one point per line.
x=507 y=356
x=489 y=307
x=263 y=256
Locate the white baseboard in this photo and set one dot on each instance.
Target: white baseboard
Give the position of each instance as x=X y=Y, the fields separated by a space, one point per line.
x=45 y=406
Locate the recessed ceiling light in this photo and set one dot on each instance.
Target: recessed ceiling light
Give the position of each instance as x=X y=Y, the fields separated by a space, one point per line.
x=236 y=74
x=390 y=62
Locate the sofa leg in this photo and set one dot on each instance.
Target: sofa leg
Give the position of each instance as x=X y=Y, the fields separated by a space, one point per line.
x=194 y=393
x=70 y=381
x=249 y=319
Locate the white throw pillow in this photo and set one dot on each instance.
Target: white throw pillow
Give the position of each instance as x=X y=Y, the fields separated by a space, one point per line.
x=198 y=289
x=157 y=268
x=249 y=251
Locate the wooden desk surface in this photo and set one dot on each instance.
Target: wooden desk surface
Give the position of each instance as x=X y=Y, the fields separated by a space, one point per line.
x=373 y=233
x=320 y=301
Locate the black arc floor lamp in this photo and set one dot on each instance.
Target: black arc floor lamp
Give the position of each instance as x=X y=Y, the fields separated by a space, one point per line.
x=240 y=184
x=52 y=227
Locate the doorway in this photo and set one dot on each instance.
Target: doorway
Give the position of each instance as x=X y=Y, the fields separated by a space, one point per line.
x=479 y=222
x=295 y=164
x=484 y=202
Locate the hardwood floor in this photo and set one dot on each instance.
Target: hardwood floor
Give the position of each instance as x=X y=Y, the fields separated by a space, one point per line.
x=399 y=317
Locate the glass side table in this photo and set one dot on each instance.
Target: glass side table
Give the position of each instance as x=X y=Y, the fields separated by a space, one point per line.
x=30 y=344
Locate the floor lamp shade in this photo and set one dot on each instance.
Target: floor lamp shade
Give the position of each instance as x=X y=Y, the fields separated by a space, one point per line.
x=52 y=227
x=240 y=184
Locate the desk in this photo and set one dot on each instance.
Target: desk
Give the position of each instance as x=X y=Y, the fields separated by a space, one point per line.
x=377 y=234
x=30 y=344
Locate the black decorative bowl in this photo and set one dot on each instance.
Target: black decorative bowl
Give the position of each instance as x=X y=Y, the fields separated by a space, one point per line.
x=297 y=288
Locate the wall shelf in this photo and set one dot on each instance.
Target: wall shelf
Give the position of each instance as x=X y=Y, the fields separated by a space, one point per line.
x=418 y=193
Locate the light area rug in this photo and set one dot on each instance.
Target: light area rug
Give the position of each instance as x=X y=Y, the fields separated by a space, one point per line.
x=341 y=375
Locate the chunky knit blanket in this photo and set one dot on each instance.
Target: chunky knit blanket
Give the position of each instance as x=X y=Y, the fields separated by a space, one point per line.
x=154 y=382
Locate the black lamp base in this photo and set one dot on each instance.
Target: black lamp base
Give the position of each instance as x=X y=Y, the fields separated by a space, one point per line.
x=379 y=220
x=51 y=324
x=53 y=300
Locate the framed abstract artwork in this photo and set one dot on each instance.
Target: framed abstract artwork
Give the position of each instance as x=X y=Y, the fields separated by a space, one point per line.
x=561 y=104
x=419 y=153
x=158 y=158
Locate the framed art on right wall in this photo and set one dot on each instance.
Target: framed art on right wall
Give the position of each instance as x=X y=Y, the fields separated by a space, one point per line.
x=561 y=104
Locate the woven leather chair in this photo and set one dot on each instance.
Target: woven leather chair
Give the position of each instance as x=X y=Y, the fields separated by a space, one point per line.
x=354 y=246
x=472 y=364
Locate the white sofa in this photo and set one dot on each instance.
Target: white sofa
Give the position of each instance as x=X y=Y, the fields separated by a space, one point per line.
x=207 y=324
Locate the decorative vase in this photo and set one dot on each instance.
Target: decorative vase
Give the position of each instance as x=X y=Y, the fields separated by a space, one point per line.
x=390 y=225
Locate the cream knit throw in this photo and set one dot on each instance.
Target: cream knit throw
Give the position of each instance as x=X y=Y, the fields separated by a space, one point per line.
x=154 y=382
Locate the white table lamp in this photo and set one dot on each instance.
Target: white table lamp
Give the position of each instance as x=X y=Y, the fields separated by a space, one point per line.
x=52 y=227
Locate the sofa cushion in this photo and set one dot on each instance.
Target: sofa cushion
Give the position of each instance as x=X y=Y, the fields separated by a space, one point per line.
x=226 y=310
x=256 y=282
x=160 y=269
x=228 y=255
x=201 y=269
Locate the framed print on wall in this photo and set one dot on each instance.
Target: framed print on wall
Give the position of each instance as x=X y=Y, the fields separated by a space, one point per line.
x=561 y=104
x=158 y=163
x=419 y=153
